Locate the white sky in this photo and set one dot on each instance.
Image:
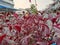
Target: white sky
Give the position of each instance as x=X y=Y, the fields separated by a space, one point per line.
x=41 y=4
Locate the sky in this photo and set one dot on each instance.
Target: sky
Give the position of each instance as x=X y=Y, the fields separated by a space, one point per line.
x=41 y=4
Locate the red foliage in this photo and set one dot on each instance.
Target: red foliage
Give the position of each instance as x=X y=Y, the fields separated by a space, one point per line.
x=28 y=30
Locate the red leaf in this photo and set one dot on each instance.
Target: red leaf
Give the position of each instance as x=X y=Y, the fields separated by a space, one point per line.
x=54 y=20
x=10 y=27
x=18 y=28
x=2 y=37
x=15 y=15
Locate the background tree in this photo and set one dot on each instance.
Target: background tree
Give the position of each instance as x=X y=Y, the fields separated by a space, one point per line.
x=33 y=9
